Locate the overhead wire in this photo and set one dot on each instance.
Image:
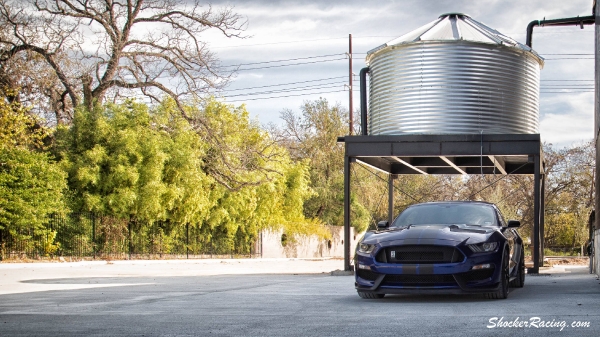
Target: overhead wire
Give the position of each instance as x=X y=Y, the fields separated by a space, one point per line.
x=286 y=96
x=291 y=87
x=285 y=60
x=313 y=87
x=362 y=189
x=279 y=42
x=290 y=83
x=395 y=188
x=291 y=64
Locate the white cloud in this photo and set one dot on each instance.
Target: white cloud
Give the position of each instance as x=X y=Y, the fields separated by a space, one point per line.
x=323 y=27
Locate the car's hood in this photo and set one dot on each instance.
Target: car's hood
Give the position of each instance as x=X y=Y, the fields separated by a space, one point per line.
x=426 y=233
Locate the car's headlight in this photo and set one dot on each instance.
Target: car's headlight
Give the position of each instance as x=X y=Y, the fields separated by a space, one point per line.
x=365 y=248
x=484 y=247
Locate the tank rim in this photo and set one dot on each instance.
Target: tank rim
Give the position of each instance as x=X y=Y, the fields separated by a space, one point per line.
x=387 y=48
x=453 y=13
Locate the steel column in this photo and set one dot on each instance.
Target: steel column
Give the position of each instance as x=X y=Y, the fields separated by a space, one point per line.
x=542 y=210
x=347 y=213
x=536 y=215
x=350 y=86
x=391 y=178
x=596 y=229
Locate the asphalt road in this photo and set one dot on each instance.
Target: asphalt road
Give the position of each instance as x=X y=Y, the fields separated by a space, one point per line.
x=146 y=304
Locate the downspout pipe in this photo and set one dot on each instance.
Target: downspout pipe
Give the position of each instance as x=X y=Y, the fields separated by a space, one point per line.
x=363 y=100
x=576 y=21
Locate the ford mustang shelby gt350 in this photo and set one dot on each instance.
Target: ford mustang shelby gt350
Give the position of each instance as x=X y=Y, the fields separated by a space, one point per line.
x=448 y=247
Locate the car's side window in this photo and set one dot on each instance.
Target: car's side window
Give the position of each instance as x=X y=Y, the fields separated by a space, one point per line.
x=501 y=219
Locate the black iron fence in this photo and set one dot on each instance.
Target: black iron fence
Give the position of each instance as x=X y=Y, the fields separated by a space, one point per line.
x=89 y=235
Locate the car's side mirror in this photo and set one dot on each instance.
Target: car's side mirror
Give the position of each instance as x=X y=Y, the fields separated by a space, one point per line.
x=382 y=225
x=514 y=223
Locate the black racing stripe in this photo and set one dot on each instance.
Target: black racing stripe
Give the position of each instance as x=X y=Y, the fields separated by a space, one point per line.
x=409 y=269
x=426 y=269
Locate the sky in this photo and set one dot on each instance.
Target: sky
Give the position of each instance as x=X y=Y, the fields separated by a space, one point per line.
x=313 y=36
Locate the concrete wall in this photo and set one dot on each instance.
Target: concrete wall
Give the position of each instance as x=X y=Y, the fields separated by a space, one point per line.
x=596 y=11
x=595 y=259
x=307 y=246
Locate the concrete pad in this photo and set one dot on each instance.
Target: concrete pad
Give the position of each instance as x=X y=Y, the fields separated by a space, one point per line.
x=274 y=298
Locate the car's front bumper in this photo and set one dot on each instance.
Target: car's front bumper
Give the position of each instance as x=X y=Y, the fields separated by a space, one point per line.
x=457 y=277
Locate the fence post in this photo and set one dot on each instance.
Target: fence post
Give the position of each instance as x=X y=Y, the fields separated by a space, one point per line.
x=129 y=236
x=187 y=240
x=94 y=234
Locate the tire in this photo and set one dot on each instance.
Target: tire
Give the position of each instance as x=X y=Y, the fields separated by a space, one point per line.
x=519 y=281
x=502 y=293
x=370 y=296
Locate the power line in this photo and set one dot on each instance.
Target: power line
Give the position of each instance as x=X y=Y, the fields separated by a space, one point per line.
x=287 y=60
x=570 y=58
x=280 y=42
x=565 y=92
x=314 y=87
x=586 y=54
x=296 y=95
x=285 y=84
x=567 y=80
x=291 y=64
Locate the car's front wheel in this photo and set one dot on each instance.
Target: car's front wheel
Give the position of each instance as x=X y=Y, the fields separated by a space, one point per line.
x=370 y=296
x=502 y=293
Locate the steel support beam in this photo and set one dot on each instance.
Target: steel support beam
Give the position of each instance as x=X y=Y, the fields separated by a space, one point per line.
x=542 y=210
x=498 y=163
x=391 y=178
x=407 y=164
x=536 y=216
x=347 y=213
x=451 y=163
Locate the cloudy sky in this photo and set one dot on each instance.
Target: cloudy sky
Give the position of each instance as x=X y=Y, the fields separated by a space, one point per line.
x=313 y=36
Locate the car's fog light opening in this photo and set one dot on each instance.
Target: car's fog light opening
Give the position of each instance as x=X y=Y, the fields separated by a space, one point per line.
x=364 y=266
x=483 y=266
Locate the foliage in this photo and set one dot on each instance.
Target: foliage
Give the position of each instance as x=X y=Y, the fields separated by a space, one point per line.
x=569 y=194
x=18 y=127
x=151 y=166
x=31 y=183
x=31 y=187
x=312 y=136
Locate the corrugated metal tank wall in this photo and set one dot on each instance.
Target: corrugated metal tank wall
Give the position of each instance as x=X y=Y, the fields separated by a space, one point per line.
x=453 y=86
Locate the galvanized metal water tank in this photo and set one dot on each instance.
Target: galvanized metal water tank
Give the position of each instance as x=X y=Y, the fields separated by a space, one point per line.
x=453 y=76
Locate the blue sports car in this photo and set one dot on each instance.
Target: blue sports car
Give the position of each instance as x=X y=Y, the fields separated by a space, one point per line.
x=447 y=247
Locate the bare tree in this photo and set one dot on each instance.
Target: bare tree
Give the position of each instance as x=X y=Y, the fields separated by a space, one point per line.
x=97 y=49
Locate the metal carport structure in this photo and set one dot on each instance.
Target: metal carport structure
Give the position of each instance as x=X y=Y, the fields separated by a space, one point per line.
x=448 y=154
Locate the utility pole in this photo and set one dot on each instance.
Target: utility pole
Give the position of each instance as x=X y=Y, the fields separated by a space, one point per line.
x=350 y=84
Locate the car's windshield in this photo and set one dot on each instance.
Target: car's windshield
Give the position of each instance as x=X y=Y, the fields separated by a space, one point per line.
x=429 y=214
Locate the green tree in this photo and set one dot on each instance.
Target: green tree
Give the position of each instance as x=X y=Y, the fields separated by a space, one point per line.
x=257 y=186
x=312 y=136
x=147 y=166
x=31 y=183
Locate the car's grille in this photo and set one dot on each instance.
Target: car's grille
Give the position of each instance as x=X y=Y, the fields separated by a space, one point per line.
x=367 y=274
x=477 y=275
x=419 y=280
x=420 y=254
